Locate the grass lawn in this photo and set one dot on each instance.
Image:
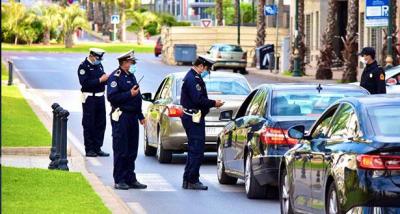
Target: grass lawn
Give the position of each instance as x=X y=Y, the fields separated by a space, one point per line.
x=45 y=191
x=81 y=48
x=20 y=125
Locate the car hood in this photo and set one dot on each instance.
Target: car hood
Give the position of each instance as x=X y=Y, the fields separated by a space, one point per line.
x=232 y=102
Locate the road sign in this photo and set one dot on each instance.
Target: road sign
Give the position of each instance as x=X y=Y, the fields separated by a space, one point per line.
x=377 y=13
x=270 y=10
x=206 y=22
x=115 y=19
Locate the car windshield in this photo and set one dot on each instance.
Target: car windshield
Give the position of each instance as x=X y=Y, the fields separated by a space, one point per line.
x=223 y=86
x=385 y=120
x=305 y=102
x=230 y=48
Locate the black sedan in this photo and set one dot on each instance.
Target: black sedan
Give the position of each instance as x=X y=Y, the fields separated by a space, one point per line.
x=251 y=145
x=349 y=162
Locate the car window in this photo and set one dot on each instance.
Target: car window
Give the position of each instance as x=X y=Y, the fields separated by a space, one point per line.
x=166 y=91
x=256 y=103
x=385 y=120
x=157 y=96
x=306 y=102
x=243 y=108
x=345 y=123
x=320 y=131
x=230 y=48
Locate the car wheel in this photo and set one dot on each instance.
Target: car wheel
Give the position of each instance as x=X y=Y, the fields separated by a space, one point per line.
x=148 y=150
x=156 y=55
x=284 y=196
x=253 y=188
x=223 y=178
x=243 y=71
x=162 y=155
x=332 y=200
x=213 y=68
x=235 y=70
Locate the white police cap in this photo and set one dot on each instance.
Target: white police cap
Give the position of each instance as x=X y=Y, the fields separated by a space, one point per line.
x=130 y=55
x=98 y=52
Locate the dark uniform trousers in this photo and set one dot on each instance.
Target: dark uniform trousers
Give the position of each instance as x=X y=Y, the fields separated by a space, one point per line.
x=94 y=122
x=125 y=135
x=196 y=140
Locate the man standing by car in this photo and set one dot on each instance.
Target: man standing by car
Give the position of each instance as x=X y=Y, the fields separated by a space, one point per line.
x=373 y=76
x=126 y=101
x=196 y=105
x=93 y=80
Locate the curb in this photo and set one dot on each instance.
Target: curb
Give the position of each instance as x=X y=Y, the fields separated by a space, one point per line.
x=110 y=199
x=29 y=151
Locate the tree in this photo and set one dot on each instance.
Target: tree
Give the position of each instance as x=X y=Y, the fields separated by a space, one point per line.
x=12 y=15
x=73 y=18
x=301 y=47
x=140 y=21
x=260 y=39
x=351 y=43
x=50 y=18
x=326 y=52
x=219 y=12
x=394 y=39
x=236 y=12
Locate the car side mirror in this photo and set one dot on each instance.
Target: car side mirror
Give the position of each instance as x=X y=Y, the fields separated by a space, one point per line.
x=297 y=132
x=226 y=115
x=147 y=97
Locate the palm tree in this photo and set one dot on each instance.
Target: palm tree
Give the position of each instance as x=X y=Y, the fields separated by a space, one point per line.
x=236 y=12
x=50 y=18
x=219 y=12
x=12 y=15
x=301 y=47
x=73 y=18
x=260 y=39
x=351 y=43
x=140 y=21
x=326 y=52
x=394 y=39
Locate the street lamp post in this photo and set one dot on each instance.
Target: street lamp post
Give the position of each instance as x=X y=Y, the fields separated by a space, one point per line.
x=389 y=56
x=296 y=71
x=238 y=21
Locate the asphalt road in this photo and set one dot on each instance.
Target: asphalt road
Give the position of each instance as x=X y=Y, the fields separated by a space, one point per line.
x=53 y=77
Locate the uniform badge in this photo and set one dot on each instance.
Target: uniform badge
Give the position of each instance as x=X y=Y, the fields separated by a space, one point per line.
x=113 y=84
x=198 y=87
x=82 y=72
x=370 y=75
x=382 y=77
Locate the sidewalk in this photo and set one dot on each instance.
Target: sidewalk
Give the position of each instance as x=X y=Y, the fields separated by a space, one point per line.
x=76 y=161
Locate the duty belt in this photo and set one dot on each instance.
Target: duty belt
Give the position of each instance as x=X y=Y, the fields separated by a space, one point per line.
x=190 y=111
x=93 y=94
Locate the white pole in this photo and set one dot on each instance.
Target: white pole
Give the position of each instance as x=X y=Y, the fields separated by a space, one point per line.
x=277 y=39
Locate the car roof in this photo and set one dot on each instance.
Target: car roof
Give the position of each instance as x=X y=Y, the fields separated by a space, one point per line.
x=373 y=100
x=181 y=75
x=300 y=86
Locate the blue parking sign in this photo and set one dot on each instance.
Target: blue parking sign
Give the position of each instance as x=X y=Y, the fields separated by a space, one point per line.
x=377 y=13
x=270 y=10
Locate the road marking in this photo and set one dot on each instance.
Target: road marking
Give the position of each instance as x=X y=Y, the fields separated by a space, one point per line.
x=136 y=208
x=15 y=57
x=213 y=180
x=94 y=161
x=155 y=183
x=32 y=58
x=49 y=58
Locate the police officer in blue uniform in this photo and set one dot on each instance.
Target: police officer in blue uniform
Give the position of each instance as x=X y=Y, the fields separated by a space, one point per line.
x=196 y=105
x=123 y=93
x=373 y=76
x=93 y=80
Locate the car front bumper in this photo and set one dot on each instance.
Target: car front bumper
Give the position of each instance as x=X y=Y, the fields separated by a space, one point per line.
x=229 y=64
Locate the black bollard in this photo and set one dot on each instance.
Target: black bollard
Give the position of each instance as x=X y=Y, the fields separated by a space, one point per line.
x=63 y=161
x=10 y=72
x=58 y=138
x=56 y=109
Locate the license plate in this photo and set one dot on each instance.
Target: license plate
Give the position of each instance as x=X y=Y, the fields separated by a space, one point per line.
x=213 y=130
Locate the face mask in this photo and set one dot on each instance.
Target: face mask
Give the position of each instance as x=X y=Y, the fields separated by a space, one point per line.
x=132 y=69
x=204 y=74
x=96 y=62
x=363 y=61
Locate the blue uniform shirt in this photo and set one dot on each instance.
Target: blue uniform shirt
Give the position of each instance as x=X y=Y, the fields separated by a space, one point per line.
x=89 y=77
x=194 y=93
x=119 y=87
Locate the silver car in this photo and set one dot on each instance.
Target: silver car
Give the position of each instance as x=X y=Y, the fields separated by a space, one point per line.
x=164 y=133
x=228 y=56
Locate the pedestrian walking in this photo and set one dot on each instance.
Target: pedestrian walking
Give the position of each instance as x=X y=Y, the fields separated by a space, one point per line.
x=373 y=76
x=93 y=80
x=196 y=105
x=123 y=93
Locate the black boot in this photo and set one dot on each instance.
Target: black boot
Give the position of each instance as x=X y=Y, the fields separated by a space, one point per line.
x=102 y=154
x=122 y=186
x=91 y=154
x=185 y=184
x=137 y=185
x=197 y=186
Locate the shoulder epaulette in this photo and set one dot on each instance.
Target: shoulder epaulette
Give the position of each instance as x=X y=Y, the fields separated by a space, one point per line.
x=117 y=73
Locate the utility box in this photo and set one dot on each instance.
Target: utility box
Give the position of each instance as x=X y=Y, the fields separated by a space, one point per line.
x=265 y=57
x=185 y=53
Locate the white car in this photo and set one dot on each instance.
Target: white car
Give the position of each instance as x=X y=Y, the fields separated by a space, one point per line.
x=392 y=80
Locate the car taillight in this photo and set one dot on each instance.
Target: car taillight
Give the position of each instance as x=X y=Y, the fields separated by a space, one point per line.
x=244 y=55
x=174 y=111
x=391 y=81
x=378 y=162
x=276 y=136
